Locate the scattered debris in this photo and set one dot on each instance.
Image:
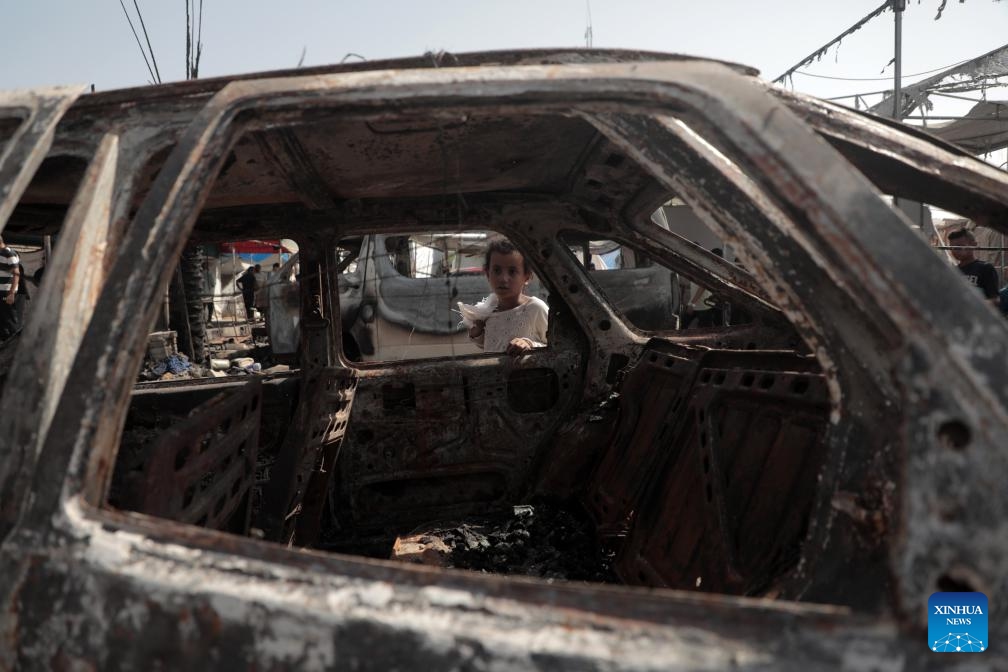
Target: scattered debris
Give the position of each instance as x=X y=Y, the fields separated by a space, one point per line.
x=161 y=344
x=545 y=540
x=278 y=368
x=174 y=364
x=172 y=367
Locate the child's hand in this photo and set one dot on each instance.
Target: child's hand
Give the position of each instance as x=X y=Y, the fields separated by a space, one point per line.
x=519 y=346
x=477 y=329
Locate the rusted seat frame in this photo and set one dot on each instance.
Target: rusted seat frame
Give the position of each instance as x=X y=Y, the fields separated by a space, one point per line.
x=202 y=469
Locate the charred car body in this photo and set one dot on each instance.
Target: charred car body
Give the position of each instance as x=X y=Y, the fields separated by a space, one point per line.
x=795 y=487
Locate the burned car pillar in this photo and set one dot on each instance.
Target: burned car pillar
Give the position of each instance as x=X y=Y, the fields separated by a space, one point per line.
x=885 y=362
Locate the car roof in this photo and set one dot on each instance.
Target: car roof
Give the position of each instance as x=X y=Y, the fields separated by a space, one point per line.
x=439 y=59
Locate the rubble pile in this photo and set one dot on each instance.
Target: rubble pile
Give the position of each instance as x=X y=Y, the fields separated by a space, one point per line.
x=544 y=540
x=231 y=358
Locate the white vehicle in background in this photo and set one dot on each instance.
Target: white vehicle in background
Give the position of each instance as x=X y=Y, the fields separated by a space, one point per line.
x=398 y=294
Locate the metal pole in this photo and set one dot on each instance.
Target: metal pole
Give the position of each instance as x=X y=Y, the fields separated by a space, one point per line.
x=898 y=7
x=234 y=300
x=1004 y=276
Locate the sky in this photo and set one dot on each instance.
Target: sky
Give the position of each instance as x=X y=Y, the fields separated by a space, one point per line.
x=51 y=42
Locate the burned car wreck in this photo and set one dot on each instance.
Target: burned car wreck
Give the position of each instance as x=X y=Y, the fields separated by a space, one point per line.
x=778 y=492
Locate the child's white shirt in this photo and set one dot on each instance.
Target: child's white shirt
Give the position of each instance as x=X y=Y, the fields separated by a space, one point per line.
x=529 y=320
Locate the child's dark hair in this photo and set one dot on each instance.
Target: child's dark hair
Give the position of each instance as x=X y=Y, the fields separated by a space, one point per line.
x=502 y=246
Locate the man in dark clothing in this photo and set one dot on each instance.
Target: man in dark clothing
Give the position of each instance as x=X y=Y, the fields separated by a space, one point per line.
x=979 y=273
x=10 y=279
x=23 y=297
x=247 y=283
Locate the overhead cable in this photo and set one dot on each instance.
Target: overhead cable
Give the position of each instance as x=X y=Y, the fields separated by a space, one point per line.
x=142 y=52
x=880 y=79
x=821 y=51
x=144 y=28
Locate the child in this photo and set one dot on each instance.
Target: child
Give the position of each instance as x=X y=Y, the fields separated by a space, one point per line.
x=508 y=320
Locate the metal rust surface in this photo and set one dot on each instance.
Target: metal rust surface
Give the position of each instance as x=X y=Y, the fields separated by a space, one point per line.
x=31 y=117
x=843 y=448
x=652 y=394
x=201 y=470
x=725 y=511
x=907 y=161
x=427 y=444
x=56 y=324
x=301 y=476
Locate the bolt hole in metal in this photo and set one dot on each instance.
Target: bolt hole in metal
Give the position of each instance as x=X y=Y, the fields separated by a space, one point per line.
x=954 y=434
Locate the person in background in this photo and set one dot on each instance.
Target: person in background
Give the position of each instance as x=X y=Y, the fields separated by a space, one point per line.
x=516 y=322
x=10 y=279
x=208 y=292
x=23 y=297
x=262 y=290
x=980 y=274
x=247 y=284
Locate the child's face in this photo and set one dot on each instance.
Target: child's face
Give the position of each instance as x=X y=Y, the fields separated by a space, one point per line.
x=507 y=276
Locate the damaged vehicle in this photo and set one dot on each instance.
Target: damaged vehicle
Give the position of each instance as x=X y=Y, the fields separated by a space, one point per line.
x=396 y=293
x=784 y=490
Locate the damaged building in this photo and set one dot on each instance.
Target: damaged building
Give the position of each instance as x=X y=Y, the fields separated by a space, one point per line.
x=781 y=489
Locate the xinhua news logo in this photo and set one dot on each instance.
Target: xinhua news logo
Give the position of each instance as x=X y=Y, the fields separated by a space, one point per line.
x=957 y=622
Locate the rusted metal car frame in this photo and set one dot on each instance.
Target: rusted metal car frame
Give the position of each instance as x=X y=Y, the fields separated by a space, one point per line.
x=908 y=497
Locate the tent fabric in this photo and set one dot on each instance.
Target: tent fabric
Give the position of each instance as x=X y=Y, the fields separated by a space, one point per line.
x=967 y=76
x=253 y=247
x=983 y=129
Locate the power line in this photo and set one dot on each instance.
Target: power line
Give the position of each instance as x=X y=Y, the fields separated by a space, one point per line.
x=188 y=41
x=879 y=79
x=144 y=27
x=199 y=40
x=818 y=53
x=142 y=52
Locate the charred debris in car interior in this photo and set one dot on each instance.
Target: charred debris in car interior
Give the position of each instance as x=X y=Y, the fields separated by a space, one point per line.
x=794 y=487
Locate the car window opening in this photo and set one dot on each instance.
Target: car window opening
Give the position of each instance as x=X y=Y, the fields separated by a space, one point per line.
x=367 y=419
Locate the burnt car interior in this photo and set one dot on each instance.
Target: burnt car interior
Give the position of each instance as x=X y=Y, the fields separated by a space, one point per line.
x=686 y=459
x=354 y=455
x=348 y=456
